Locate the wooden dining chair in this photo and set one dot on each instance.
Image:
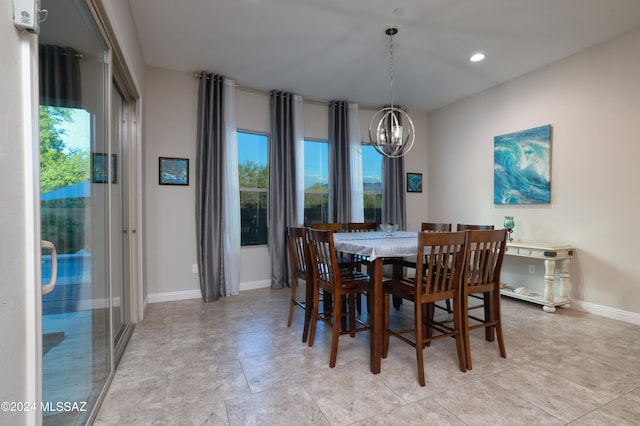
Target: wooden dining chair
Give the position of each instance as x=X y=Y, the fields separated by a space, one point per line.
x=328 y=277
x=344 y=261
x=361 y=260
x=435 y=227
x=299 y=269
x=438 y=227
x=361 y=226
x=481 y=276
x=335 y=227
x=467 y=227
x=438 y=278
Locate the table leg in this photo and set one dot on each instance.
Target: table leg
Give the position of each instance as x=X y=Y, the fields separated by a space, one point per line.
x=565 y=282
x=549 y=278
x=375 y=317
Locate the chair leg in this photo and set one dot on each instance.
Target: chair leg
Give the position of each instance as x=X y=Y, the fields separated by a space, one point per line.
x=398 y=272
x=420 y=341
x=460 y=347
x=308 y=310
x=497 y=316
x=342 y=320
x=385 y=324
x=488 y=316
x=307 y=324
x=352 y=314
x=292 y=302
x=337 y=313
x=314 y=314
x=464 y=312
x=427 y=319
x=397 y=301
x=359 y=303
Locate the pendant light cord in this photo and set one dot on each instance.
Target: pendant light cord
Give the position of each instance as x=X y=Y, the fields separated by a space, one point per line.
x=391 y=51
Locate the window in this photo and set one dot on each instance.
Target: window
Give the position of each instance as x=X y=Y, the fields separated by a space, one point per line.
x=372 y=182
x=316 y=181
x=253 y=171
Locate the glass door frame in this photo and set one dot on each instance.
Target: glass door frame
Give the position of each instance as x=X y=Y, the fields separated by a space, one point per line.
x=116 y=71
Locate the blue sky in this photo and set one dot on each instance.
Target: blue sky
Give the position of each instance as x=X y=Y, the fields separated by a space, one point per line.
x=77 y=132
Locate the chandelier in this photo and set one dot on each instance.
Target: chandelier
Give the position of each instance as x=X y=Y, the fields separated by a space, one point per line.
x=391 y=130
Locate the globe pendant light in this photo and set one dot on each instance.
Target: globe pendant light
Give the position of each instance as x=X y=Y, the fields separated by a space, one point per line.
x=391 y=130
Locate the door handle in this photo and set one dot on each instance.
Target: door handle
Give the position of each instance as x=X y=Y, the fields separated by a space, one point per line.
x=48 y=245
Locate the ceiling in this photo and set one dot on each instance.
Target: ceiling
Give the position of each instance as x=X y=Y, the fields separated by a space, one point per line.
x=338 y=49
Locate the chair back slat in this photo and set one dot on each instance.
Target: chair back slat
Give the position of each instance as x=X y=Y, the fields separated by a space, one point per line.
x=444 y=256
x=484 y=257
x=324 y=261
x=298 y=252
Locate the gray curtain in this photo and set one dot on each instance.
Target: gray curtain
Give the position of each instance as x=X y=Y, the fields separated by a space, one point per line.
x=282 y=183
x=210 y=186
x=393 y=202
x=59 y=76
x=339 y=163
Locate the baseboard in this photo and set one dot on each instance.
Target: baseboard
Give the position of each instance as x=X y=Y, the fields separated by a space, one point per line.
x=196 y=294
x=607 y=312
x=171 y=296
x=253 y=285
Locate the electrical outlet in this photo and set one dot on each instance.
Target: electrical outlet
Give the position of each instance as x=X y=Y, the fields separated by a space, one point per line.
x=194 y=268
x=532 y=269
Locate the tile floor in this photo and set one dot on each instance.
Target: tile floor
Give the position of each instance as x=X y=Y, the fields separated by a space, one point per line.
x=234 y=362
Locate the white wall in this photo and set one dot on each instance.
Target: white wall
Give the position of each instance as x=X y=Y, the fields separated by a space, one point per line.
x=121 y=20
x=169 y=115
x=18 y=331
x=416 y=161
x=592 y=101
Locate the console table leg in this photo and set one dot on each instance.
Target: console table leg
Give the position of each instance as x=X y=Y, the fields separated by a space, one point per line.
x=549 y=278
x=565 y=282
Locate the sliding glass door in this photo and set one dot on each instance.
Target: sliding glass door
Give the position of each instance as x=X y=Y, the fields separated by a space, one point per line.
x=84 y=181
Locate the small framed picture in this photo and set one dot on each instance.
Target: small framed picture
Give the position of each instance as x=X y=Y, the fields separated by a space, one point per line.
x=174 y=171
x=100 y=168
x=414 y=182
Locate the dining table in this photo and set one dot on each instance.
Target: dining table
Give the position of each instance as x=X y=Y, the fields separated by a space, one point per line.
x=379 y=248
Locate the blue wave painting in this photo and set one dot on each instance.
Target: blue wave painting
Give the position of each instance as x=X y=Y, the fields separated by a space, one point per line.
x=522 y=167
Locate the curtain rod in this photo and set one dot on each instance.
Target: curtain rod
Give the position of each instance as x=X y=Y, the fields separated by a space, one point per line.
x=198 y=75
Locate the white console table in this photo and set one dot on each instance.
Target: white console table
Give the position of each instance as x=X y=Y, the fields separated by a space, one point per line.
x=551 y=254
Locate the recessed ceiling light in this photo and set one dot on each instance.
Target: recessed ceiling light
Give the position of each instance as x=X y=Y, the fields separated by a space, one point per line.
x=477 y=57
